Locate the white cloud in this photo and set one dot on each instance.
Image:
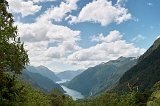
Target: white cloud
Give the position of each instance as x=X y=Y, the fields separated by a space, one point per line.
x=45 y=31
x=112 y=36
x=108 y=49
x=23 y=7
x=62 y=50
x=35 y=52
x=59 y=12
x=121 y=2
x=47 y=42
x=138 y=38
x=101 y=11
x=37 y=1
x=56 y=45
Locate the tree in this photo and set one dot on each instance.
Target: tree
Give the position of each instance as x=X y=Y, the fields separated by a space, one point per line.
x=13 y=56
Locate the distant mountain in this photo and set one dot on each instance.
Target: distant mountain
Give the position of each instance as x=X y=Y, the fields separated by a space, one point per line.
x=69 y=75
x=24 y=76
x=145 y=73
x=40 y=82
x=44 y=71
x=101 y=77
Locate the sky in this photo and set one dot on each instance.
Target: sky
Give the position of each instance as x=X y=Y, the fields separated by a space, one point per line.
x=78 y=34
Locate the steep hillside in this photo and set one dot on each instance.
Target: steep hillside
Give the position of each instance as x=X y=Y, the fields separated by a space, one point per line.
x=69 y=74
x=30 y=81
x=39 y=81
x=44 y=71
x=145 y=73
x=101 y=77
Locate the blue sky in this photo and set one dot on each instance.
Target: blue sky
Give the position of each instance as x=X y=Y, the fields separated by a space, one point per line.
x=75 y=34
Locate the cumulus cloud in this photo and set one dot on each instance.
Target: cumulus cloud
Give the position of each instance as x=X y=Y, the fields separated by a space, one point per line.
x=23 y=7
x=112 y=36
x=35 y=51
x=40 y=53
x=45 y=31
x=62 y=50
x=47 y=42
x=59 y=12
x=101 y=11
x=111 y=47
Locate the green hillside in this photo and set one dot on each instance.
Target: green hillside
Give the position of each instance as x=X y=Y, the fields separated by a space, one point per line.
x=39 y=81
x=101 y=77
x=145 y=73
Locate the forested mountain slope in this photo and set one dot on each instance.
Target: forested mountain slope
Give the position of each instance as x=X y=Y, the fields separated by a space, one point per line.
x=101 y=77
x=145 y=73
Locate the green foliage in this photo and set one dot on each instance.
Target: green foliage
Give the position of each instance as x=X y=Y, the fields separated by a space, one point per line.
x=154 y=100
x=10 y=91
x=156 y=86
x=59 y=99
x=12 y=52
x=113 y=99
x=13 y=57
x=33 y=97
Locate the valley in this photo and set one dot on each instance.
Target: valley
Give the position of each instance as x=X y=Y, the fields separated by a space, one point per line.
x=79 y=53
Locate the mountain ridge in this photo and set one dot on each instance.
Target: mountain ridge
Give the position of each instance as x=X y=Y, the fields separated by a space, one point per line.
x=96 y=79
x=44 y=71
x=40 y=82
x=145 y=73
x=69 y=75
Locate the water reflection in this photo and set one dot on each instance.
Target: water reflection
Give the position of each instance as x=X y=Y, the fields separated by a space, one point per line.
x=73 y=93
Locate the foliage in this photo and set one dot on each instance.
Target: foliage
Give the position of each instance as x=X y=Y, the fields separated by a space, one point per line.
x=13 y=57
x=113 y=99
x=33 y=97
x=12 y=52
x=154 y=99
x=59 y=99
x=10 y=91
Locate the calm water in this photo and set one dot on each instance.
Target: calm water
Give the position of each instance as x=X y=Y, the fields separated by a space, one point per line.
x=73 y=93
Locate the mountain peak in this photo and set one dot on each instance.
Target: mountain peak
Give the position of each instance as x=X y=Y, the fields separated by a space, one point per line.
x=121 y=58
x=42 y=67
x=156 y=43
x=43 y=71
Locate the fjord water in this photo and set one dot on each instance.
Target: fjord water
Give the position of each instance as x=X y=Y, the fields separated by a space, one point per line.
x=73 y=93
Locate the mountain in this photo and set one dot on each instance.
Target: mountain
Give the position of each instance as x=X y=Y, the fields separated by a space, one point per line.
x=40 y=82
x=69 y=75
x=24 y=76
x=101 y=77
x=145 y=73
x=44 y=71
